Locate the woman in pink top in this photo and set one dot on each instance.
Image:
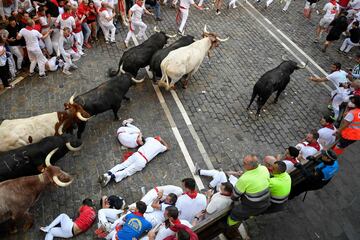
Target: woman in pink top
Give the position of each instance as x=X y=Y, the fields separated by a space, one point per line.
x=69 y=228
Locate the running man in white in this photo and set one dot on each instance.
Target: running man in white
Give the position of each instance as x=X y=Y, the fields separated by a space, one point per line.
x=106 y=23
x=136 y=162
x=35 y=54
x=183 y=13
x=331 y=10
x=129 y=135
x=135 y=20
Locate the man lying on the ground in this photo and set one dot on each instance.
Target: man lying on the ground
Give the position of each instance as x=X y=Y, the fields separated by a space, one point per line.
x=136 y=162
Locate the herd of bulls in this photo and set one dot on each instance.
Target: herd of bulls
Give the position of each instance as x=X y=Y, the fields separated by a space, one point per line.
x=30 y=146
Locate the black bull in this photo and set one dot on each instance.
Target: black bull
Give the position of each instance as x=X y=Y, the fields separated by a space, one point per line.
x=274 y=80
x=106 y=96
x=139 y=57
x=28 y=160
x=162 y=53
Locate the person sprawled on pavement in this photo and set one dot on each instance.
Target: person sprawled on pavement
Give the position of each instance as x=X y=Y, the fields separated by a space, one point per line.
x=129 y=135
x=136 y=162
x=68 y=228
x=326 y=168
x=111 y=209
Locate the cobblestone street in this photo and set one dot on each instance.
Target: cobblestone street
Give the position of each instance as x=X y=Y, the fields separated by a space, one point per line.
x=215 y=101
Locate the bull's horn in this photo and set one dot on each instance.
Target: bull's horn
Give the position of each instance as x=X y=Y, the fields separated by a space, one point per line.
x=71 y=148
x=283 y=57
x=171 y=36
x=60 y=183
x=303 y=66
x=205 y=30
x=222 y=39
x=138 y=81
x=60 y=130
x=156 y=29
x=121 y=69
x=79 y=116
x=71 y=100
x=48 y=157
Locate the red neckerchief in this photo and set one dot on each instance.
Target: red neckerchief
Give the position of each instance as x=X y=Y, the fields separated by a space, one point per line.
x=333 y=11
x=55 y=2
x=329 y=125
x=138 y=214
x=102 y=9
x=175 y=222
x=191 y=195
x=65 y=15
x=29 y=28
x=292 y=160
x=356 y=92
x=314 y=145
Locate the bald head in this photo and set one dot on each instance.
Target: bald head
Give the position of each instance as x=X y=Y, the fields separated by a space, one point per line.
x=250 y=162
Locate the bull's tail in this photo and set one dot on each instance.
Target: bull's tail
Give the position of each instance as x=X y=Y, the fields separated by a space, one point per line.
x=164 y=81
x=254 y=94
x=112 y=72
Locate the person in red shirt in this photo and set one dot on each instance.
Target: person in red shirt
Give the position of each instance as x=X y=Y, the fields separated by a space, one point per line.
x=69 y=228
x=83 y=10
x=91 y=16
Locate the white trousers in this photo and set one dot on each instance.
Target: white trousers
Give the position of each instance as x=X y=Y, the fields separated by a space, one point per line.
x=106 y=215
x=19 y=53
x=79 y=41
x=232 y=3
x=109 y=31
x=347 y=45
x=184 y=13
x=69 y=57
x=37 y=57
x=137 y=25
x=65 y=229
x=47 y=41
x=268 y=2
x=127 y=168
x=218 y=177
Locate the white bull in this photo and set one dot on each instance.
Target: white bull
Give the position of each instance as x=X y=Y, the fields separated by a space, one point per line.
x=16 y=133
x=187 y=60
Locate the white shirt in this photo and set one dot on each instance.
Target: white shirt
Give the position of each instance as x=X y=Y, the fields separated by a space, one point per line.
x=218 y=202
x=103 y=15
x=186 y=3
x=166 y=232
x=188 y=207
x=305 y=150
x=151 y=148
x=43 y=22
x=31 y=38
x=157 y=216
x=330 y=11
x=289 y=165
x=326 y=136
x=128 y=135
x=337 y=77
x=69 y=22
x=137 y=13
x=354 y=4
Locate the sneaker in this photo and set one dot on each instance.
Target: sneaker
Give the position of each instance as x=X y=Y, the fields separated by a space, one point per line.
x=42 y=76
x=112 y=42
x=127 y=121
x=67 y=72
x=330 y=107
x=9 y=87
x=107 y=42
x=106 y=180
x=217 y=13
x=44 y=229
x=158 y=19
x=316 y=40
x=197 y=170
x=236 y=6
x=126 y=44
x=31 y=74
x=74 y=66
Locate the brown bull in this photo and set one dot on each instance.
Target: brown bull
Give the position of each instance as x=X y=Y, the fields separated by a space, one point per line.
x=19 y=195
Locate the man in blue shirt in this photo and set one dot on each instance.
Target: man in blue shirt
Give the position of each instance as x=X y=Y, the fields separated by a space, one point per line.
x=135 y=225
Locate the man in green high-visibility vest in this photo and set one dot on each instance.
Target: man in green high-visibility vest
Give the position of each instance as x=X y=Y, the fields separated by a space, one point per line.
x=253 y=190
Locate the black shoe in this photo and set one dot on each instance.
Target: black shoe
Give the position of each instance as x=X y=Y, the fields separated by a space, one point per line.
x=158 y=19
x=42 y=76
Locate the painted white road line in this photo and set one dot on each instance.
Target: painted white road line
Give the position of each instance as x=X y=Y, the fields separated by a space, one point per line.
x=16 y=81
x=175 y=130
x=284 y=44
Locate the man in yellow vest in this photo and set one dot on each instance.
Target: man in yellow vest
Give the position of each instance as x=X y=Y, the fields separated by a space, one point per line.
x=349 y=130
x=253 y=190
x=280 y=186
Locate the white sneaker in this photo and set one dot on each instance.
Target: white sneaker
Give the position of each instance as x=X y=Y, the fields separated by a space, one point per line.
x=127 y=121
x=67 y=72
x=105 y=180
